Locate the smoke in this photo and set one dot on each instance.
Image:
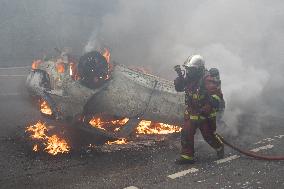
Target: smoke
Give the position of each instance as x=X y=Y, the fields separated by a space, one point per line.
x=31 y=29
x=241 y=83
x=244 y=39
x=92 y=42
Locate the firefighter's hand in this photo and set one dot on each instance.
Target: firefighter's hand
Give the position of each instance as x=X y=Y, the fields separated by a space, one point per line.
x=206 y=109
x=179 y=84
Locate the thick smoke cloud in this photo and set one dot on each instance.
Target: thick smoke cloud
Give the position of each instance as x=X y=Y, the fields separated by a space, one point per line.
x=244 y=39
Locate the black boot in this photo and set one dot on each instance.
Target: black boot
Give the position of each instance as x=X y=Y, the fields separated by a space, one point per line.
x=220 y=152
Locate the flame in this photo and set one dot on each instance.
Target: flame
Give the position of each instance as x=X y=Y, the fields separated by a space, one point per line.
x=37 y=131
x=35 y=64
x=148 y=127
x=120 y=122
x=56 y=145
x=36 y=148
x=119 y=141
x=44 y=108
x=71 y=68
x=97 y=122
x=73 y=71
x=100 y=124
x=144 y=127
x=60 y=67
x=53 y=144
x=106 y=54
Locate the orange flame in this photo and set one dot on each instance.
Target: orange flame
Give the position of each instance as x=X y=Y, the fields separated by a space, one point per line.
x=35 y=148
x=53 y=144
x=73 y=71
x=106 y=54
x=100 y=124
x=144 y=127
x=147 y=127
x=97 y=122
x=37 y=131
x=120 y=121
x=35 y=64
x=119 y=141
x=60 y=67
x=44 y=108
x=56 y=145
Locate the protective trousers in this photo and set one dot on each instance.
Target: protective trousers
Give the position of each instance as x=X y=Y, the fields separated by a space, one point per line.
x=207 y=127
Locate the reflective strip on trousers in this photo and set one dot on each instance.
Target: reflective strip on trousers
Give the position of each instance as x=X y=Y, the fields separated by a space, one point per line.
x=186 y=157
x=196 y=96
x=195 y=117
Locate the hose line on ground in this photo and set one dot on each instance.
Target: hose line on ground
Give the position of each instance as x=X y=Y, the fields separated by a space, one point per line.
x=250 y=154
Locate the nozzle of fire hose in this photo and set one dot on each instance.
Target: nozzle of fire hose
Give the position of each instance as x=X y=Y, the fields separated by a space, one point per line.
x=250 y=154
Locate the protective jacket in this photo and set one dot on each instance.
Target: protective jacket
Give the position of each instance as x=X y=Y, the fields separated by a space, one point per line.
x=203 y=97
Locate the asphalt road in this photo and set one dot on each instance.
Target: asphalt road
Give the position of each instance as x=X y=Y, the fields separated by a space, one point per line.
x=134 y=167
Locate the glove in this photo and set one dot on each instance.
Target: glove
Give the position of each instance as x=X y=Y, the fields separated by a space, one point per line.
x=179 y=84
x=215 y=101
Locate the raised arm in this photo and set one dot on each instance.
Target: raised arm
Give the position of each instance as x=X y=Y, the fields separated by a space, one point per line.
x=179 y=83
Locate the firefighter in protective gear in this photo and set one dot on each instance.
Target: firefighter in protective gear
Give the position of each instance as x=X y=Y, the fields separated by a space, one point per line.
x=203 y=98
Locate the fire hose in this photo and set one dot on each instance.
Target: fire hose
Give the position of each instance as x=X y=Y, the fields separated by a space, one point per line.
x=250 y=154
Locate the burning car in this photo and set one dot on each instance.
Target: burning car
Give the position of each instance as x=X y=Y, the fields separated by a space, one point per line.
x=103 y=97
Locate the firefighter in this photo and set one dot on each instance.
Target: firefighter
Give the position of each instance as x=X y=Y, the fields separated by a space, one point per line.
x=203 y=98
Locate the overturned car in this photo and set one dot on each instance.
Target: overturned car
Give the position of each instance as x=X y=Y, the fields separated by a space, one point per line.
x=103 y=97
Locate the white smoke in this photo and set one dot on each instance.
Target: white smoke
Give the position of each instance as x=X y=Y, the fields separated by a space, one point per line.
x=244 y=39
x=93 y=42
x=241 y=82
x=233 y=36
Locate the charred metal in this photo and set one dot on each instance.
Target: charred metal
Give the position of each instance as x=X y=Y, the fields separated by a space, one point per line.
x=94 y=87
